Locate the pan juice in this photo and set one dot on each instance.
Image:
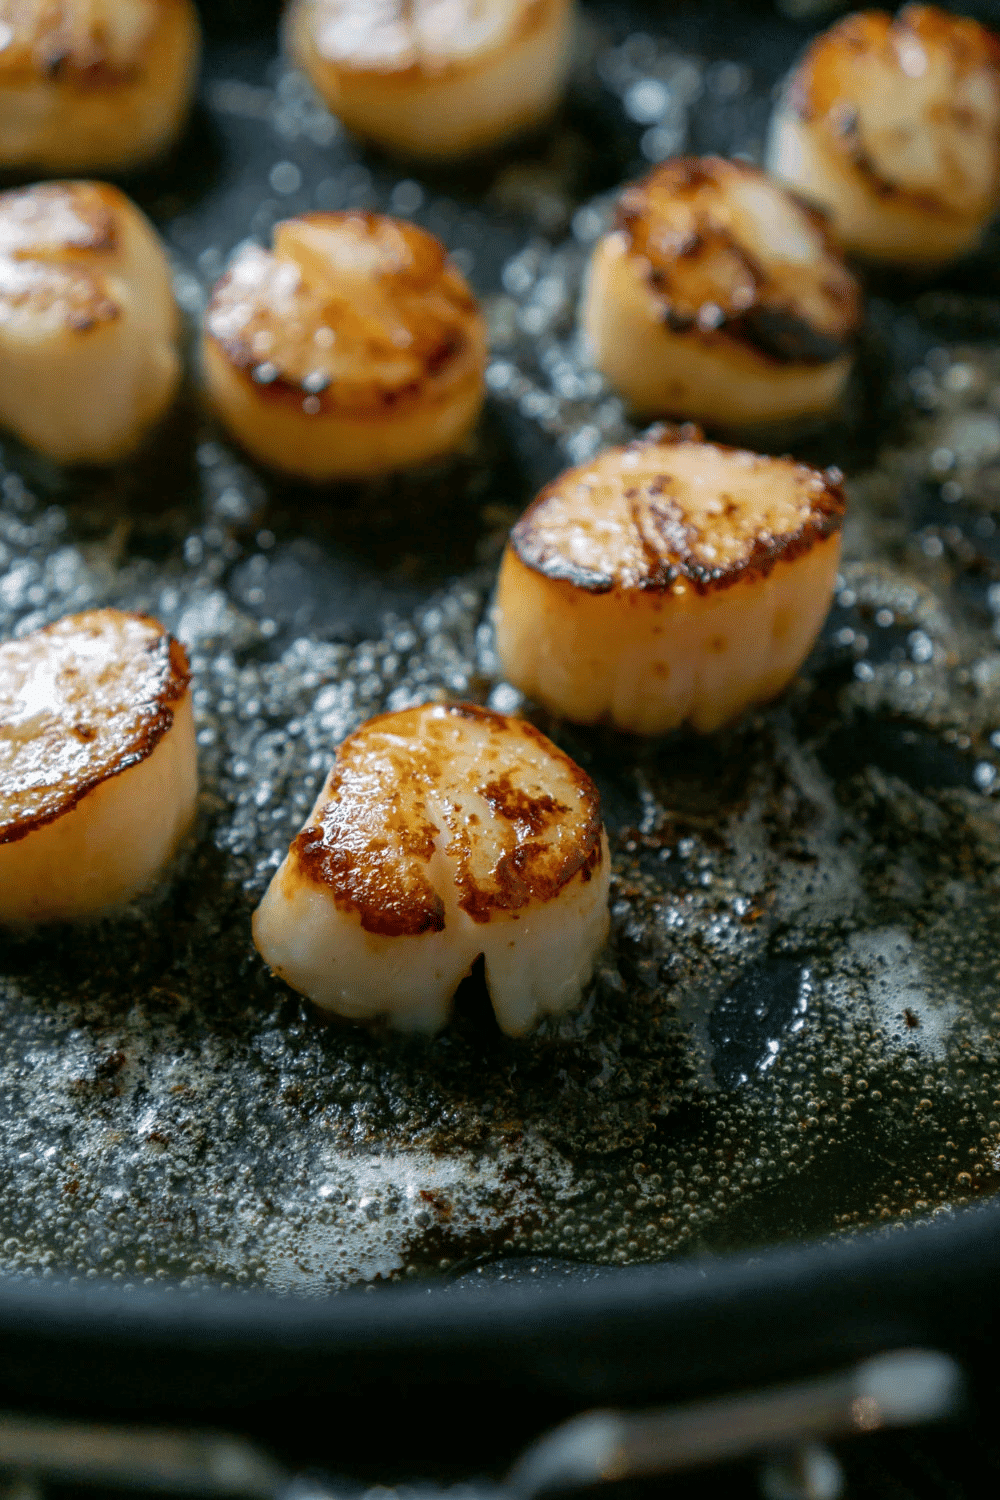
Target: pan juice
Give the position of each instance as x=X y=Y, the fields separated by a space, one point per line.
x=795 y=1029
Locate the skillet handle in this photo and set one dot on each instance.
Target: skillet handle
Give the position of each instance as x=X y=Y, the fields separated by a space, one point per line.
x=892 y=1390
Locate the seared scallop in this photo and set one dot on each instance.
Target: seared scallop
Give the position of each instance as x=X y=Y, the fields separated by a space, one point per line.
x=442 y=834
x=434 y=78
x=666 y=583
x=88 y=322
x=97 y=764
x=353 y=348
x=720 y=298
x=892 y=125
x=93 y=85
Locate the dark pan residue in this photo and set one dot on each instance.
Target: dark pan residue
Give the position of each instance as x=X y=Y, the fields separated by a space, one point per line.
x=795 y=1029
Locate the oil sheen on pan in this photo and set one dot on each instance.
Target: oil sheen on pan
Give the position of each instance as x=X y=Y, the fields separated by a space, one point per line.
x=793 y=1029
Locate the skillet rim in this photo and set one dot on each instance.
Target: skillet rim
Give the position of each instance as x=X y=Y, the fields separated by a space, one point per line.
x=929 y=1282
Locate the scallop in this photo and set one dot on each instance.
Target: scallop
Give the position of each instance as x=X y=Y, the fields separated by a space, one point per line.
x=892 y=125
x=721 y=299
x=88 y=322
x=93 y=85
x=434 y=78
x=352 y=349
x=669 y=582
x=98 y=774
x=443 y=833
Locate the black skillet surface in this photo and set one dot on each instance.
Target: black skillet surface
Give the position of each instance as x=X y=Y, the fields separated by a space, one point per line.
x=793 y=1034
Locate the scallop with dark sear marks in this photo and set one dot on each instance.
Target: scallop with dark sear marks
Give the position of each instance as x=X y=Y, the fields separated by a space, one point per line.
x=892 y=125
x=353 y=348
x=719 y=298
x=434 y=78
x=88 y=321
x=443 y=833
x=97 y=764
x=672 y=581
x=93 y=85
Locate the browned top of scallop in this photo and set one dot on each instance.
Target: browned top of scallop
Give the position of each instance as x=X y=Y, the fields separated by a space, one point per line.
x=914 y=101
x=56 y=242
x=416 y=36
x=84 y=43
x=445 y=797
x=671 y=510
x=80 y=701
x=731 y=254
x=359 y=311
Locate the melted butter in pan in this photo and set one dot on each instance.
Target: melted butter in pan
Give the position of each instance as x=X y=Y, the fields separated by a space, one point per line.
x=807 y=900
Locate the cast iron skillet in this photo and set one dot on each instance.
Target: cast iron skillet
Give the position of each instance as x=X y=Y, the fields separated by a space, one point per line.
x=525 y=1339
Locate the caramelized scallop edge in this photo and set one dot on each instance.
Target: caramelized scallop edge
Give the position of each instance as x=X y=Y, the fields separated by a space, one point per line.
x=47 y=55
x=529 y=872
x=826 y=515
x=443 y=370
x=970 y=45
x=790 y=340
x=70 y=226
x=150 y=727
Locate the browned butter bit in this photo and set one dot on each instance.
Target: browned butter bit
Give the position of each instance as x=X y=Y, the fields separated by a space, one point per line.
x=720 y=298
x=435 y=78
x=94 y=85
x=669 y=582
x=97 y=764
x=353 y=348
x=442 y=834
x=88 y=322
x=892 y=126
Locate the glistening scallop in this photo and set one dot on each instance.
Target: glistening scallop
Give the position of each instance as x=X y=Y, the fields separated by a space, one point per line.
x=892 y=126
x=435 y=78
x=94 y=85
x=98 y=774
x=443 y=834
x=718 y=298
x=88 y=322
x=669 y=582
x=354 y=348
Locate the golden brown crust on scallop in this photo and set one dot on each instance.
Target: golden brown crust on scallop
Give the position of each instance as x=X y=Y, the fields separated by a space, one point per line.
x=717 y=266
x=410 y=39
x=53 y=237
x=87 y=44
x=372 y=848
x=628 y=520
x=358 y=312
x=374 y=839
x=530 y=869
x=838 y=67
x=81 y=701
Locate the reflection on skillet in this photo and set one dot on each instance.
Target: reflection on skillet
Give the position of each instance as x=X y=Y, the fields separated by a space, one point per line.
x=794 y=1030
